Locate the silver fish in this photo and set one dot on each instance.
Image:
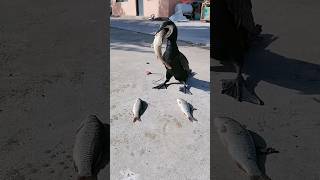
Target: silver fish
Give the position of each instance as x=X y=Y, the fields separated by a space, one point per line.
x=138 y=108
x=240 y=145
x=91 y=148
x=186 y=108
x=157 y=45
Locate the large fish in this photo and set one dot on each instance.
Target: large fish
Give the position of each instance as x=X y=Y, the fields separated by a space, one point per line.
x=240 y=146
x=157 y=45
x=138 y=108
x=186 y=108
x=91 y=148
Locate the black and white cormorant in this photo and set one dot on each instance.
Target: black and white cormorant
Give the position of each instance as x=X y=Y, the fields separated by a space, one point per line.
x=231 y=34
x=175 y=62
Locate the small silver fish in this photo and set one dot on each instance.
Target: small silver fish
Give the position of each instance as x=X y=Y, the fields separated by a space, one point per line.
x=240 y=145
x=137 y=109
x=186 y=108
x=157 y=45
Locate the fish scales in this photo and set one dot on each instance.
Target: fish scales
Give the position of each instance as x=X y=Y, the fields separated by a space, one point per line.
x=186 y=108
x=137 y=108
x=157 y=46
x=239 y=143
x=90 y=149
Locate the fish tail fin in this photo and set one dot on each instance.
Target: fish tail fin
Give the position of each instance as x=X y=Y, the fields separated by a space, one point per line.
x=136 y=119
x=262 y=177
x=192 y=119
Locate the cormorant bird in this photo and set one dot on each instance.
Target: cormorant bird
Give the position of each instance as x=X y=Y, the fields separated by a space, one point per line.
x=232 y=32
x=175 y=62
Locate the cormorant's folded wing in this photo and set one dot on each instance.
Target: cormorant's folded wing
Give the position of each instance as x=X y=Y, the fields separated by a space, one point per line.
x=184 y=62
x=242 y=11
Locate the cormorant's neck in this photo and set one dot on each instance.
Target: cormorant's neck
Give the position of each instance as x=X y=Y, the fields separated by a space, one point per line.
x=172 y=44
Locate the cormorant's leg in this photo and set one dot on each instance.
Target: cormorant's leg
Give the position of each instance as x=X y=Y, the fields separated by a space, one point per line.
x=237 y=87
x=164 y=85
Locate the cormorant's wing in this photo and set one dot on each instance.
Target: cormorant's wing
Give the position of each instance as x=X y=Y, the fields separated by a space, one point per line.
x=184 y=62
x=241 y=9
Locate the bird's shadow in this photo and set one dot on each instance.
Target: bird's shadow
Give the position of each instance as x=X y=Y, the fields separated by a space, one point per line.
x=263 y=65
x=198 y=84
x=193 y=82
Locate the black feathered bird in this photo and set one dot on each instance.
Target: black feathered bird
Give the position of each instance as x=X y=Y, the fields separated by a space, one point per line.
x=232 y=32
x=175 y=62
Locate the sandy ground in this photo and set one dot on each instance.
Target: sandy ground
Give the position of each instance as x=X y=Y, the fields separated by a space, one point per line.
x=52 y=75
x=287 y=76
x=164 y=145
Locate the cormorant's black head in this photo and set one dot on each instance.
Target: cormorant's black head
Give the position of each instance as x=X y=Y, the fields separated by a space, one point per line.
x=171 y=30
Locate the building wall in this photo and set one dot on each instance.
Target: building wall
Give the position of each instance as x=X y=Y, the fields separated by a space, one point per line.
x=160 y=8
x=124 y=8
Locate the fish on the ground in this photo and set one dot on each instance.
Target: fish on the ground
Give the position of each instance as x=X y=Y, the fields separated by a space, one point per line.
x=91 y=149
x=240 y=145
x=186 y=108
x=138 y=109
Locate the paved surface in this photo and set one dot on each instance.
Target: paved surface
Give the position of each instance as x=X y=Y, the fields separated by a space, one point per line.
x=287 y=74
x=52 y=75
x=165 y=145
x=194 y=32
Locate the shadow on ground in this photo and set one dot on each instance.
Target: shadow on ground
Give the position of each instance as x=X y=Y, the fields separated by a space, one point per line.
x=263 y=65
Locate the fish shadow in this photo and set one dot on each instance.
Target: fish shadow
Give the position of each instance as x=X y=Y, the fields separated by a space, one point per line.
x=144 y=107
x=107 y=131
x=192 y=109
x=261 y=146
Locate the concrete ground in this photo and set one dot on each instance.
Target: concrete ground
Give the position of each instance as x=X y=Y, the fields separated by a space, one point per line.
x=287 y=75
x=195 y=32
x=52 y=75
x=164 y=145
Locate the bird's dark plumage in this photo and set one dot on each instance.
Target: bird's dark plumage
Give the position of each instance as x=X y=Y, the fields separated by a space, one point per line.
x=231 y=35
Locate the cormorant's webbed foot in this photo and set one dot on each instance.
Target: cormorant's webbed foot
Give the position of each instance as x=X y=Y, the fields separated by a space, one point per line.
x=185 y=89
x=161 y=86
x=238 y=89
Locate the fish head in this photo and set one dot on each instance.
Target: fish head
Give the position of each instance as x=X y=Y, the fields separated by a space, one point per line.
x=170 y=29
x=220 y=123
x=89 y=119
x=179 y=101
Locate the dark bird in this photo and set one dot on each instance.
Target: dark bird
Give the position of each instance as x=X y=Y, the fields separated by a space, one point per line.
x=175 y=62
x=232 y=34
x=91 y=149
